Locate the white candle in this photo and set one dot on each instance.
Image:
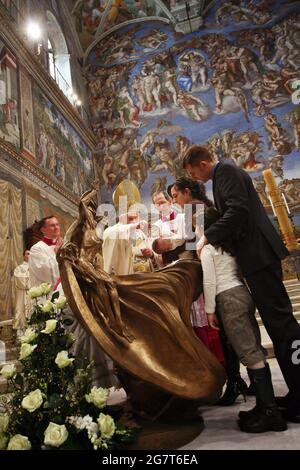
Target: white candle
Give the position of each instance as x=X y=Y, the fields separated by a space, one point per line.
x=271 y=202
x=286 y=204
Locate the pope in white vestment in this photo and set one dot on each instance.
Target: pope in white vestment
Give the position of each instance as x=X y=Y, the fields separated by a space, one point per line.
x=124 y=245
x=117 y=249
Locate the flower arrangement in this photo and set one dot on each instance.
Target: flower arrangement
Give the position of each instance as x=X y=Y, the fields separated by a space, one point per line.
x=52 y=404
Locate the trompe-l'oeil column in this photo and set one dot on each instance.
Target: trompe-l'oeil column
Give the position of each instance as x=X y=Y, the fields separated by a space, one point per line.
x=280 y=210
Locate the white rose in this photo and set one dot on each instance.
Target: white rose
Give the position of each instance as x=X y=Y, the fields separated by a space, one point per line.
x=55 y=435
x=61 y=302
x=33 y=400
x=29 y=335
x=106 y=425
x=3 y=441
x=63 y=360
x=98 y=396
x=35 y=292
x=4 y=420
x=50 y=327
x=19 y=442
x=47 y=307
x=8 y=371
x=46 y=288
x=26 y=350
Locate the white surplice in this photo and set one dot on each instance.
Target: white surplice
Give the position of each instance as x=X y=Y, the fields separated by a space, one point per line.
x=22 y=301
x=43 y=266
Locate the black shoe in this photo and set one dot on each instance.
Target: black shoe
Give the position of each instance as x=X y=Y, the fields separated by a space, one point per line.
x=233 y=390
x=244 y=415
x=250 y=391
x=265 y=416
x=283 y=402
x=267 y=419
x=292 y=413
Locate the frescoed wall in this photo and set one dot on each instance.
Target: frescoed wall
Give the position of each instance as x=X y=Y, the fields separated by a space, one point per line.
x=9 y=97
x=28 y=142
x=153 y=92
x=90 y=16
x=59 y=149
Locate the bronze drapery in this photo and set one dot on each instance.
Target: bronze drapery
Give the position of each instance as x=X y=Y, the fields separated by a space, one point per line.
x=142 y=321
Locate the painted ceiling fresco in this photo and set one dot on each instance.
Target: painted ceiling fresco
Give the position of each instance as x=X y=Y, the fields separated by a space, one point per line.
x=231 y=85
x=93 y=17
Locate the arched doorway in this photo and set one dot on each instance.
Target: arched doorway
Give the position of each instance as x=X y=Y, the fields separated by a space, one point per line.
x=58 y=55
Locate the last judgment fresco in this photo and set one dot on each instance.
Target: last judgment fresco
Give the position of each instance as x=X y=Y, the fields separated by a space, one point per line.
x=233 y=85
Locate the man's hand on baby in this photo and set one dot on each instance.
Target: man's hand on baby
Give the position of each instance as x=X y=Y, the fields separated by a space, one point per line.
x=147 y=252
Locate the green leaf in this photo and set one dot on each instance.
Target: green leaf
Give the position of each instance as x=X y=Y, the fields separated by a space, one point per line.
x=55 y=296
x=53 y=401
x=19 y=380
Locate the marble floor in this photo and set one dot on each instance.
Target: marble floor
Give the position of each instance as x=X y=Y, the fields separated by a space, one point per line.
x=222 y=433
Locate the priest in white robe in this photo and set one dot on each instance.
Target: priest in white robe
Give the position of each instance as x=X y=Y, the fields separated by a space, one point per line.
x=43 y=267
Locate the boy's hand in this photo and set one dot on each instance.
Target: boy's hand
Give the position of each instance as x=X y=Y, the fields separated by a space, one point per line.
x=213 y=321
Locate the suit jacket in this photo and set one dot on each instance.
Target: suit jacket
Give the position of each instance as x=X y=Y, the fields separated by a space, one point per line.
x=243 y=220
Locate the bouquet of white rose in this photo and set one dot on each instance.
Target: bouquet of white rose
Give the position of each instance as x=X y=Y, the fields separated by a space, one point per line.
x=52 y=404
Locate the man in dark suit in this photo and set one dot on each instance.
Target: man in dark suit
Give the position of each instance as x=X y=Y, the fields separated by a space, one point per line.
x=259 y=251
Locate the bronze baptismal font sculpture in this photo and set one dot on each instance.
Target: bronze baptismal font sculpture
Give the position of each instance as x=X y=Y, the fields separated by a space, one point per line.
x=142 y=321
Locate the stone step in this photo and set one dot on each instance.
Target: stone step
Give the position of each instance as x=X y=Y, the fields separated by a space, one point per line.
x=11 y=353
x=293 y=289
x=265 y=338
x=296 y=305
x=292 y=285
x=289 y=282
x=296 y=310
x=259 y=320
x=294 y=294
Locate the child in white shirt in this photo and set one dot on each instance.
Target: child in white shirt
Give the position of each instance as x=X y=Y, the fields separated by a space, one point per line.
x=229 y=305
